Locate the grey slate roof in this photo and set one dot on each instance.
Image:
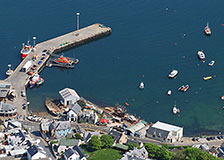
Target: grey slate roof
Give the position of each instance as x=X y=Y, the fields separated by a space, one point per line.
x=68 y=153
x=115 y=134
x=157 y=133
x=76 y=108
x=7 y=108
x=78 y=149
x=60 y=125
x=32 y=150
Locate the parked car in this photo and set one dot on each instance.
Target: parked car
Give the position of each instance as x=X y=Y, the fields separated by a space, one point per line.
x=23 y=94
x=24 y=106
x=40 y=62
x=42 y=58
x=44 y=50
x=208 y=138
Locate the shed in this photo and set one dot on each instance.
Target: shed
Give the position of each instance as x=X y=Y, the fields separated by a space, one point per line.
x=135 y=128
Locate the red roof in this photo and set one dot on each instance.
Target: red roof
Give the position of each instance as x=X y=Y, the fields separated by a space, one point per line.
x=104 y=120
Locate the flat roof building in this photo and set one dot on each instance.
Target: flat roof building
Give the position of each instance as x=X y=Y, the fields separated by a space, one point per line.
x=69 y=96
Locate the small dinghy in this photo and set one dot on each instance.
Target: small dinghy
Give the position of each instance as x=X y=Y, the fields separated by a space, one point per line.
x=141 y=86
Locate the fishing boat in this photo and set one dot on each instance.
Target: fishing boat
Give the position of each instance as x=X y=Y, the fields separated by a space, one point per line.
x=34 y=80
x=184 y=88
x=207 y=78
x=52 y=107
x=207 y=30
x=175 y=110
x=169 y=92
x=173 y=73
x=9 y=72
x=211 y=63
x=201 y=55
x=40 y=81
x=141 y=86
x=26 y=49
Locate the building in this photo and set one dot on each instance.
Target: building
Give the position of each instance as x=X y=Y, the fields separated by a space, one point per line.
x=72 y=114
x=69 y=96
x=165 y=132
x=44 y=125
x=136 y=154
x=12 y=124
x=35 y=152
x=74 y=153
x=88 y=116
x=5 y=87
x=133 y=129
x=87 y=135
x=7 y=109
x=118 y=137
x=65 y=143
x=59 y=129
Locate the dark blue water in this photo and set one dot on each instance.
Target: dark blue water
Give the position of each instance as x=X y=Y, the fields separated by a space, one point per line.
x=147 y=39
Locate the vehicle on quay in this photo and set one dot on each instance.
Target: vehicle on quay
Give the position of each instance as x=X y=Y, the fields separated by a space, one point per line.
x=173 y=73
x=201 y=55
x=26 y=49
x=207 y=30
x=27 y=66
x=23 y=94
x=207 y=78
x=141 y=85
x=211 y=63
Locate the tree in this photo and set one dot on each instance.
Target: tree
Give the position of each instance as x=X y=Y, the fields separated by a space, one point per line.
x=78 y=136
x=132 y=145
x=106 y=141
x=157 y=152
x=94 y=143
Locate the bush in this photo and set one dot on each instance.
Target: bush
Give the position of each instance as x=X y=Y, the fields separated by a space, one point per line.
x=132 y=145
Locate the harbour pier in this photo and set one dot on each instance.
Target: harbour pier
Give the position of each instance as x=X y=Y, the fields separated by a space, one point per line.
x=20 y=79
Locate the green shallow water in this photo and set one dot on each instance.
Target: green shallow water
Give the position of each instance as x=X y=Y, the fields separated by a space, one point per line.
x=147 y=40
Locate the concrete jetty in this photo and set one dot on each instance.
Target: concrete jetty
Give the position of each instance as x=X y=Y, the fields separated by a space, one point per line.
x=19 y=79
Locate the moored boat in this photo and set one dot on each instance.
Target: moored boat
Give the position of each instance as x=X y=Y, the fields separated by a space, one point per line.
x=52 y=107
x=201 y=55
x=211 y=63
x=169 y=92
x=142 y=85
x=9 y=72
x=207 y=30
x=175 y=110
x=173 y=73
x=184 y=88
x=207 y=78
x=40 y=81
x=26 y=49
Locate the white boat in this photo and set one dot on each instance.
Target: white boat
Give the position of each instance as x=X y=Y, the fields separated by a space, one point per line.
x=169 y=92
x=26 y=49
x=211 y=63
x=141 y=86
x=201 y=55
x=175 y=110
x=207 y=30
x=173 y=73
x=9 y=72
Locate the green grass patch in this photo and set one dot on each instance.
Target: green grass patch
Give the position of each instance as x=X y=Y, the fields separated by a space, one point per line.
x=103 y=154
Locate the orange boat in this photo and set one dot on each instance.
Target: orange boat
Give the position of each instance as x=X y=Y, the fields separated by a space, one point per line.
x=64 y=60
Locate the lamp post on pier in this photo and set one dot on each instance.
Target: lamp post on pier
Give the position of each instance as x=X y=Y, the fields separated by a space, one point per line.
x=77 y=17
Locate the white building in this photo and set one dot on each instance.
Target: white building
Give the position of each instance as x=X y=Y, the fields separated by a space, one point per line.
x=69 y=96
x=165 y=132
x=72 y=114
